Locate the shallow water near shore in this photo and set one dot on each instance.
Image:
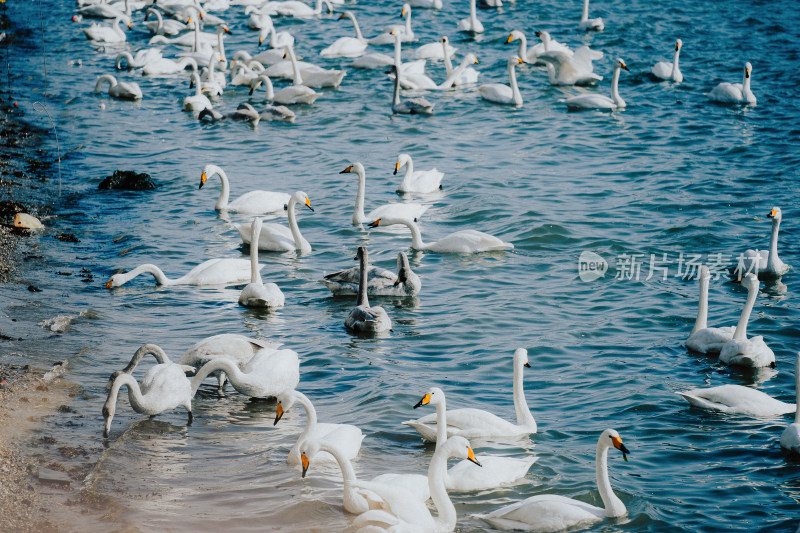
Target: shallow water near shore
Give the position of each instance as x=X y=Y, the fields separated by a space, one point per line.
x=671 y=174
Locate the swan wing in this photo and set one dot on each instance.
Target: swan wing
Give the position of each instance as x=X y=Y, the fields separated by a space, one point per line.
x=344 y=47
x=422 y=181
x=415 y=484
x=467 y=423
x=265 y=295
x=295 y=94
x=273 y=237
x=469 y=241
x=710 y=340
x=590 y=101
x=752 y=352
x=398 y=211
x=790 y=438
x=164 y=387
x=276 y=371
x=260 y=202
x=372 y=61
x=737 y=399
x=496 y=92
x=220 y=271
x=237 y=348
x=727 y=93
x=545 y=512
x=495 y=471
x=434 y=51
x=402 y=506
x=662 y=70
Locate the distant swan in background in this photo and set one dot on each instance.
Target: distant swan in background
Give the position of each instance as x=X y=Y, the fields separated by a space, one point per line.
x=381 y=282
x=737 y=400
x=347 y=46
x=770 y=266
x=599 y=101
x=419 y=181
x=252 y=203
x=365 y=318
x=670 y=71
x=504 y=94
x=740 y=350
x=120 y=90
x=220 y=271
x=277 y=237
x=735 y=93
x=790 y=438
x=257 y=293
x=464 y=241
x=106 y=34
x=471 y=24
x=704 y=339
x=587 y=24
x=162 y=27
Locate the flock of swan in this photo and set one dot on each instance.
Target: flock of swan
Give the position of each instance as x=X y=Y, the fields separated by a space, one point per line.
x=391 y=501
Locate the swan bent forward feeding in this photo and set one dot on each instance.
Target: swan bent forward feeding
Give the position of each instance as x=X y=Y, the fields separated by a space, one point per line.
x=737 y=400
x=164 y=387
x=599 y=101
x=399 y=210
x=220 y=271
x=472 y=423
x=665 y=70
x=257 y=293
x=463 y=242
x=550 y=512
x=420 y=181
x=270 y=372
x=740 y=350
x=770 y=266
x=704 y=339
x=380 y=281
x=277 y=237
x=120 y=90
x=363 y=318
x=504 y=94
x=496 y=470
x=404 y=512
x=790 y=438
x=735 y=93
x=346 y=437
x=251 y=203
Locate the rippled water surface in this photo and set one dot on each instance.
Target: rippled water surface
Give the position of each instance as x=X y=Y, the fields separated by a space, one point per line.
x=670 y=174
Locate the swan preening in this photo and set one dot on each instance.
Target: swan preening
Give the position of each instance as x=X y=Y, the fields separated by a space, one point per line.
x=735 y=93
x=220 y=271
x=399 y=210
x=380 y=281
x=365 y=318
x=599 y=101
x=463 y=242
x=670 y=71
x=704 y=339
x=252 y=203
x=277 y=237
x=550 y=512
x=419 y=181
x=120 y=90
x=504 y=94
x=790 y=438
x=737 y=400
x=257 y=293
x=769 y=266
x=740 y=350
x=472 y=423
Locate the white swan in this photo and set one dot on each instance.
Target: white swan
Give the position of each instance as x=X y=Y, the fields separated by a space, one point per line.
x=252 y=203
x=196 y=39
x=106 y=34
x=357 y=500
x=165 y=66
x=268 y=373
x=737 y=400
x=346 y=437
x=531 y=55
x=740 y=350
x=462 y=477
x=256 y=293
x=381 y=282
x=790 y=438
x=571 y=68
x=770 y=266
x=365 y=318
x=405 y=32
x=550 y=512
x=464 y=241
x=377 y=60
x=466 y=74
x=587 y=24
x=399 y=210
x=265 y=57
x=120 y=90
x=665 y=70
x=105 y=10
x=277 y=237
x=164 y=387
x=313 y=78
x=504 y=94
x=293 y=94
x=704 y=339
x=243 y=73
x=259 y=20
x=297 y=9
x=159 y=26
x=411 y=106
x=471 y=422
x=142 y=58
x=197 y=101
x=420 y=181
x=432 y=4
x=435 y=51
x=735 y=93
x=220 y=271
x=347 y=46
x=600 y=101
x=407 y=513
x=471 y=24
x=277 y=41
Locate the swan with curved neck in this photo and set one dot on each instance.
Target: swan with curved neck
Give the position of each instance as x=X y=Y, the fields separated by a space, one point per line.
x=740 y=350
x=381 y=282
x=472 y=423
x=702 y=338
x=253 y=202
x=277 y=237
x=464 y=241
x=120 y=90
x=363 y=318
x=164 y=387
x=256 y=293
x=790 y=438
x=496 y=471
x=268 y=373
x=462 y=75
x=504 y=94
x=670 y=71
x=198 y=101
x=599 y=101
x=587 y=24
x=404 y=32
x=105 y=10
x=550 y=512
x=735 y=93
x=471 y=24
x=410 y=210
x=531 y=55
x=159 y=26
x=165 y=66
x=421 y=181
x=220 y=271
x=142 y=58
x=346 y=437
x=404 y=512
x=357 y=500
x=347 y=46
x=293 y=8
x=106 y=34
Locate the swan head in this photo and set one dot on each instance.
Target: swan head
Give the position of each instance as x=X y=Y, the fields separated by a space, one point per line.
x=610 y=438
x=471 y=58
x=750 y=282
x=775 y=213
x=748 y=68
x=406 y=11
x=516 y=60
x=678 y=45
x=388 y=221
x=458 y=446
x=521 y=356
x=361 y=252
x=302 y=198
x=308 y=449
x=620 y=63
x=402 y=159
x=543 y=35
x=109 y=408
x=207 y=172
x=285 y=402
x=445 y=40
x=116 y=280
x=516 y=34
x=434 y=396
x=354 y=168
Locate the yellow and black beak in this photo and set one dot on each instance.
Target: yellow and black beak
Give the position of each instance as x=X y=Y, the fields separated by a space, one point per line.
x=260 y=41
x=308 y=203
x=623 y=65
x=403 y=12
x=278 y=414
x=510 y=38
x=203 y=179
x=621 y=447
x=471 y=456
x=476 y=60
x=521 y=61
x=348 y=169
x=396 y=168
x=374 y=224
x=527 y=364
x=341 y=16
x=305 y=462
x=424 y=401
x=747 y=73
x=773 y=213
x=677 y=46
x=108 y=284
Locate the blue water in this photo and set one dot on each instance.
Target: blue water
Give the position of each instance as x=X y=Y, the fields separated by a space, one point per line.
x=670 y=174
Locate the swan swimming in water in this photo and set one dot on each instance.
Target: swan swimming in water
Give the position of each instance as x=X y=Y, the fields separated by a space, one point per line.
x=737 y=400
x=106 y=34
x=347 y=46
x=268 y=373
x=704 y=339
x=670 y=71
x=740 y=350
x=197 y=101
x=159 y=26
x=770 y=266
x=465 y=75
x=257 y=293
x=220 y=271
x=364 y=318
x=380 y=281
x=420 y=181
x=790 y=438
x=599 y=101
x=120 y=90
x=464 y=241
x=405 y=33
x=531 y=55
x=412 y=106
x=504 y=94
x=471 y=24
x=735 y=93
x=251 y=203
x=587 y=24
x=474 y=423
x=277 y=237
x=399 y=210
x=550 y=512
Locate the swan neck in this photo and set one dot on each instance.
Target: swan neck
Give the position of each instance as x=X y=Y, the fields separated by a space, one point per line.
x=293 y=227
x=362 y=280
x=311 y=414
x=358 y=211
x=675 y=60
x=225 y=365
x=524 y=416
x=359 y=36
x=408 y=31
x=437 y=471
x=161 y=279
x=224 y=193
x=409 y=169
x=473 y=12
x=102 y=79
x=220 y=44
x=416 y=235
x=134 y=394
x=348 y=473
x=615 y=85
x=441 y=423
x=772 y=260
x=523 y=47
x=512 y=78
x=298 y=78
x=741 y=327
x=398 y=60
x=396 y=96
x=153 y=349
x=797 y=388
x=702 y=310
x=255 y=232
x=585 y=14
x=613 y=505
x=448 y=64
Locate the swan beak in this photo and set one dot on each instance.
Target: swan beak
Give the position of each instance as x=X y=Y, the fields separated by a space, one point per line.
x=108 y=284
x=403 y=12
x=621 y=447
x=278 y=414
x=348 y=169
x=539 y=34
x=677 y=46
x=471 y=456
x=260 y=41
x=201 y=15
x=424 y=401
x=203 y=178
x=527 y=364
x=476 y=60
x=396 y=168
x=747 y=73
x=773 y=213
x=520 y=60
x=341 y=16
x=394 y=32
x=623 y=65
x=226 y=29
x=129 y=24
x=308 y=203
x=374 y=224
x=304 y=460
x=510 y=38
x=189 y=21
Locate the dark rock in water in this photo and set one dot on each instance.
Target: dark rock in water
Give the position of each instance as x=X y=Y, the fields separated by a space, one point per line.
x=47 y=475
x=67 y=237
x=8 y=208
x=126 y=180
x=34 y=289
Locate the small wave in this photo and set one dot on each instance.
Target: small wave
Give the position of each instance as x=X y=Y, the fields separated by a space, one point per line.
x=60 y=323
